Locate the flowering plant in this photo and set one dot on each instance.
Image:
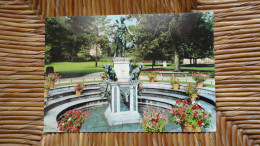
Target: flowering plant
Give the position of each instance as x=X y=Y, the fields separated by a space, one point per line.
x=174 y=80
x=72 y=120
x=152 y=75
x=194 y=114
x=47 y=86
x=153 y=120
x=53 y=77
x=191 y=90
x=198 y=77
x=140 y=88
x=103 y=76
x=79 y=87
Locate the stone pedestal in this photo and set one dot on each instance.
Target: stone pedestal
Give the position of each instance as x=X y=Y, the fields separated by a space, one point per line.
x=123 y=109
x=119 y=111
x=121 y=67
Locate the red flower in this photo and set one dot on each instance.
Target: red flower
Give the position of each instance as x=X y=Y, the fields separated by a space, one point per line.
x=189 y=102
x=195 y=106
x=194 y=114
x=199 y=123
x=178 y=101
x=185 y=102
x=183 y=116
x=204 y=113
x=62 y=128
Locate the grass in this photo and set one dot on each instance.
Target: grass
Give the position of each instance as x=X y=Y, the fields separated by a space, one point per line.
x=76 y=69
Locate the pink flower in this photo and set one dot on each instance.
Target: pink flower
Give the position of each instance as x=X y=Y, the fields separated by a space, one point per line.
x=178 y=120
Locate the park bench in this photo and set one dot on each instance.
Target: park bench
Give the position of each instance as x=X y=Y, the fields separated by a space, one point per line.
x=185 y=73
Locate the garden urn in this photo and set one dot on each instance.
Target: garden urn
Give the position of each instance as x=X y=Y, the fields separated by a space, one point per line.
x=187 y=127
x=200 y=84
x=152 y=80
x=46 y=92
x=193 y=97
x=175 y=86
x=78 y=93
x=52 y=84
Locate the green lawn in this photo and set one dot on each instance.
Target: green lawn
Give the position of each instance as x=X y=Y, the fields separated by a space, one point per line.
x=76 y=69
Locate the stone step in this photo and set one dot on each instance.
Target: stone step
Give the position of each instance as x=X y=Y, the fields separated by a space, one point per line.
x=177 y=93
x=62 y=100
x=161 y=100
x=94 y=84
x=165 y=86
x=68 y=92
x=159 y=94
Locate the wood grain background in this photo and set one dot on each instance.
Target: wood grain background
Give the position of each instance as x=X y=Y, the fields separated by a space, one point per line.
x=237 y=55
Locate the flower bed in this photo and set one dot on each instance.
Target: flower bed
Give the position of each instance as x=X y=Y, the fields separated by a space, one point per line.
x=184 y=113
x=161 y=69
x=79 y=88
x=51 y=78
x=73 y=120
x=152 y=76
x=192 y=91
x=103 y=76
x=153 y=120
x=198 y=77
x=175 y=83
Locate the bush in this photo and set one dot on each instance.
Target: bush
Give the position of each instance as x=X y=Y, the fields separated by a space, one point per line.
x=198 y=77
x=153 y=120
x=194 y=114
x=72 y=120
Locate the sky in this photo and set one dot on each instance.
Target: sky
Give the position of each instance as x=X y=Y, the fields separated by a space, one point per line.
x=117 y=17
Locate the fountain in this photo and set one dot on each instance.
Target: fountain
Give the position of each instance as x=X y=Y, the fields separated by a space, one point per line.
x=122 y=83
x=123 y=106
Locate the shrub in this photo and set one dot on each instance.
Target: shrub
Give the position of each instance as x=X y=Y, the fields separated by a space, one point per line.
x=151 y=75
x=191 y=90
x=174 y=80
x=103 y=76
x=153 y=120
x=73 y=120
x=79 y=86
x=53 y=77
x=47 y=86
x=198 y=77
x=194 y=114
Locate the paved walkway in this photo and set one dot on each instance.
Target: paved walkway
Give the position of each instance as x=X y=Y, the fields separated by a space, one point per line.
x=96 y=76
x=89 y=77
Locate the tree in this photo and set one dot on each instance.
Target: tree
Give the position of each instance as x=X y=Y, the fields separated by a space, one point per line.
x=100 y=26
x=179 y=34
x=148 y=32
x=66 y=37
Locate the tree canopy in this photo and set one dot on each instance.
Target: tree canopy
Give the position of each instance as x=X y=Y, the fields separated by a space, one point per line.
x=169 y=37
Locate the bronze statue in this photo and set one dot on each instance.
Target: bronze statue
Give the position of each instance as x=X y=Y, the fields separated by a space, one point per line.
x=131 y=68
x=121 y=37
x=136 y=72
x=110 y=73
